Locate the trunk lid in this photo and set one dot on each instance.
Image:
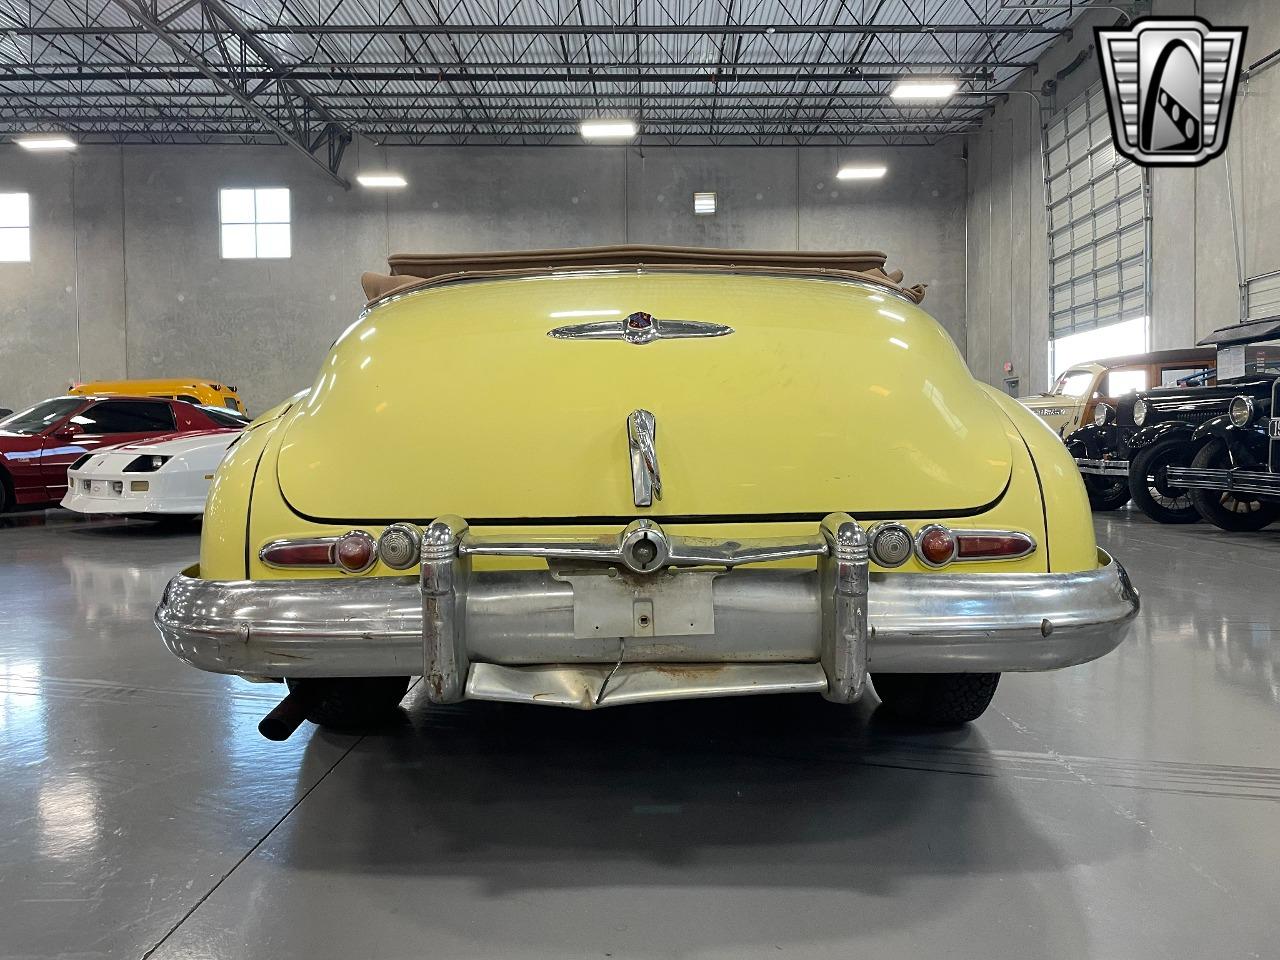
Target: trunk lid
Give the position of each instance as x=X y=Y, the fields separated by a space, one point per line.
x=827 y=396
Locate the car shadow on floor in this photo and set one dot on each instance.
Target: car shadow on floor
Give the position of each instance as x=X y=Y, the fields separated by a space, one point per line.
x=777 y=791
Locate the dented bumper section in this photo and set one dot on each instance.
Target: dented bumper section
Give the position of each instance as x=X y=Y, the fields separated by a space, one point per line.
x=645 y=616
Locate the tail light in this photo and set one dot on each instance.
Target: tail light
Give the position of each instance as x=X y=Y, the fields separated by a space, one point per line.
x=354 y=552
x=936 y=546
x=993 y=545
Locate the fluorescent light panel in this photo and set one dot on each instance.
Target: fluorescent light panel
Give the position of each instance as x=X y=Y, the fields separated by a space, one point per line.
x=704 y=203
x=923 y=89
x=46 y=143
x=607 y=129
x=381 y=180
x=861 y=173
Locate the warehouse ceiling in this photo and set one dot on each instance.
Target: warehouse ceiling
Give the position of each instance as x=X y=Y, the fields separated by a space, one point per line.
x=311 y=73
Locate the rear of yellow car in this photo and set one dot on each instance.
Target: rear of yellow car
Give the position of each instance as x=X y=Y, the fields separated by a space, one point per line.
x=595 y=488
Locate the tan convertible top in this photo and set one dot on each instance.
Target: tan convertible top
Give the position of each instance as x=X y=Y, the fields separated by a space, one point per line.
x=411 y=270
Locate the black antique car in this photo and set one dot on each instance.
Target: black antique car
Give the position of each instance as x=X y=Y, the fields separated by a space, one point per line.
x=1143 y=448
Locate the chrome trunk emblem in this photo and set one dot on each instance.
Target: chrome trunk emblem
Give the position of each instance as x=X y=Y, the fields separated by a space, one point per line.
x=646 y=480
x=640 y=328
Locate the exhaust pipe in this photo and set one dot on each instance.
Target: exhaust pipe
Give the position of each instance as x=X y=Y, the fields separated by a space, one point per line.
x=280 y=723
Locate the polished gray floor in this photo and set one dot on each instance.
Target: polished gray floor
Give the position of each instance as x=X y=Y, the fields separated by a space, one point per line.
x=1128 y=808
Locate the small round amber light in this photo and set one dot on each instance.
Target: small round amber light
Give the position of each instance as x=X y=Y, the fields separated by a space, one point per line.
x=936 y=546
x=355 y=551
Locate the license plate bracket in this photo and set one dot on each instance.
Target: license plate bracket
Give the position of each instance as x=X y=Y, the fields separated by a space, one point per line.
x=611 y=603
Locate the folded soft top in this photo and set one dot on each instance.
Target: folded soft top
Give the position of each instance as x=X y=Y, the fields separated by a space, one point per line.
x=410 y=270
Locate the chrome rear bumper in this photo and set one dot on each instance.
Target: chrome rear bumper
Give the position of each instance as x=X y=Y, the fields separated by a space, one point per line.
x=699 y=626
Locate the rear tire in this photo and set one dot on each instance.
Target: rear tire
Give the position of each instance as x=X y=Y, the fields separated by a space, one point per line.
x=351 y=703
x=1225 y=510
x=937 y=698
x=1149 y=486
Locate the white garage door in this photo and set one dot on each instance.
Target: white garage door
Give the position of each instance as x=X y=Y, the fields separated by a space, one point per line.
x=1098 y=217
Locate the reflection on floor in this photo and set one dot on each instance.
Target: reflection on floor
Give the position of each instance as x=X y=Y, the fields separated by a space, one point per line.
x=1127 y=808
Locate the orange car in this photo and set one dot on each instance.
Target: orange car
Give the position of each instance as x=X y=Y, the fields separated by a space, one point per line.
x=205 y=392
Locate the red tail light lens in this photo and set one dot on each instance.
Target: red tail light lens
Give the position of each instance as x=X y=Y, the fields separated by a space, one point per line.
x=935 y=545
x=993 y=545
x=355 y=551
x=298 y=553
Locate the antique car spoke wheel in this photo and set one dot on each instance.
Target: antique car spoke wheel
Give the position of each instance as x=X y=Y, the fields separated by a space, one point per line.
x=1105 y=493
x=1226 y=510
x=350 y=703
x=941 y=698
x=1149 y=485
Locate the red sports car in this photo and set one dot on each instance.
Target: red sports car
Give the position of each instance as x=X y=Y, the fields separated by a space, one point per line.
x=37 y=445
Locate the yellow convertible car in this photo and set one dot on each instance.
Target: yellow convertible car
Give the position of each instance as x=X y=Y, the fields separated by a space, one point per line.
x=603 y=476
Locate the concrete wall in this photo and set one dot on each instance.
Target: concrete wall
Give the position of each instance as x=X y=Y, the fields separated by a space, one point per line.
x=126 y=277
x=1194 y=270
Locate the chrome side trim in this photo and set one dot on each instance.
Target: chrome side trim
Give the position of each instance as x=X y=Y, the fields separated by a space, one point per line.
x=646 y=478
x=1256 y=482
x=1103 y=468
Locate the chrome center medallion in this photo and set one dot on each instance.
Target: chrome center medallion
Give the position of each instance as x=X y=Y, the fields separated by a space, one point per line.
x=640 y=328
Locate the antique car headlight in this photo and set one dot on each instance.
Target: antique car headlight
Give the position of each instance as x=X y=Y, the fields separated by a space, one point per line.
x=1103 y=414
x=1241 y=411
x=1139 y=411
x=147 y=463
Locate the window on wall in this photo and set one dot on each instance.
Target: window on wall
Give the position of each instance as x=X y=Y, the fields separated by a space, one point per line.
x=1113 y=340
x=15 y=227
x=255 y=223
x=1098 y=216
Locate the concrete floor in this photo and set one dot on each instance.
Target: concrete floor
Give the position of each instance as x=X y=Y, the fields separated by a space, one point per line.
x=1128 y=808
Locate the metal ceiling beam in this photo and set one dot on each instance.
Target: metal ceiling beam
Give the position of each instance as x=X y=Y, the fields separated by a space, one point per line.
x=504 y=97
x=289 y=137
x=560 y=75
x=949 y=69
x=562 y=29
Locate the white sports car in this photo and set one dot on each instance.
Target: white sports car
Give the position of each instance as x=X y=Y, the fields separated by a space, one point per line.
x=168 y=477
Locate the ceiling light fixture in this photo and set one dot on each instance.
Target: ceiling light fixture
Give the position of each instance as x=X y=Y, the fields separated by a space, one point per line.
x=381 y=180
x=607 y=129
x=861 y=173
x=923 y=89
x=704 y=203
x=49 y=144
